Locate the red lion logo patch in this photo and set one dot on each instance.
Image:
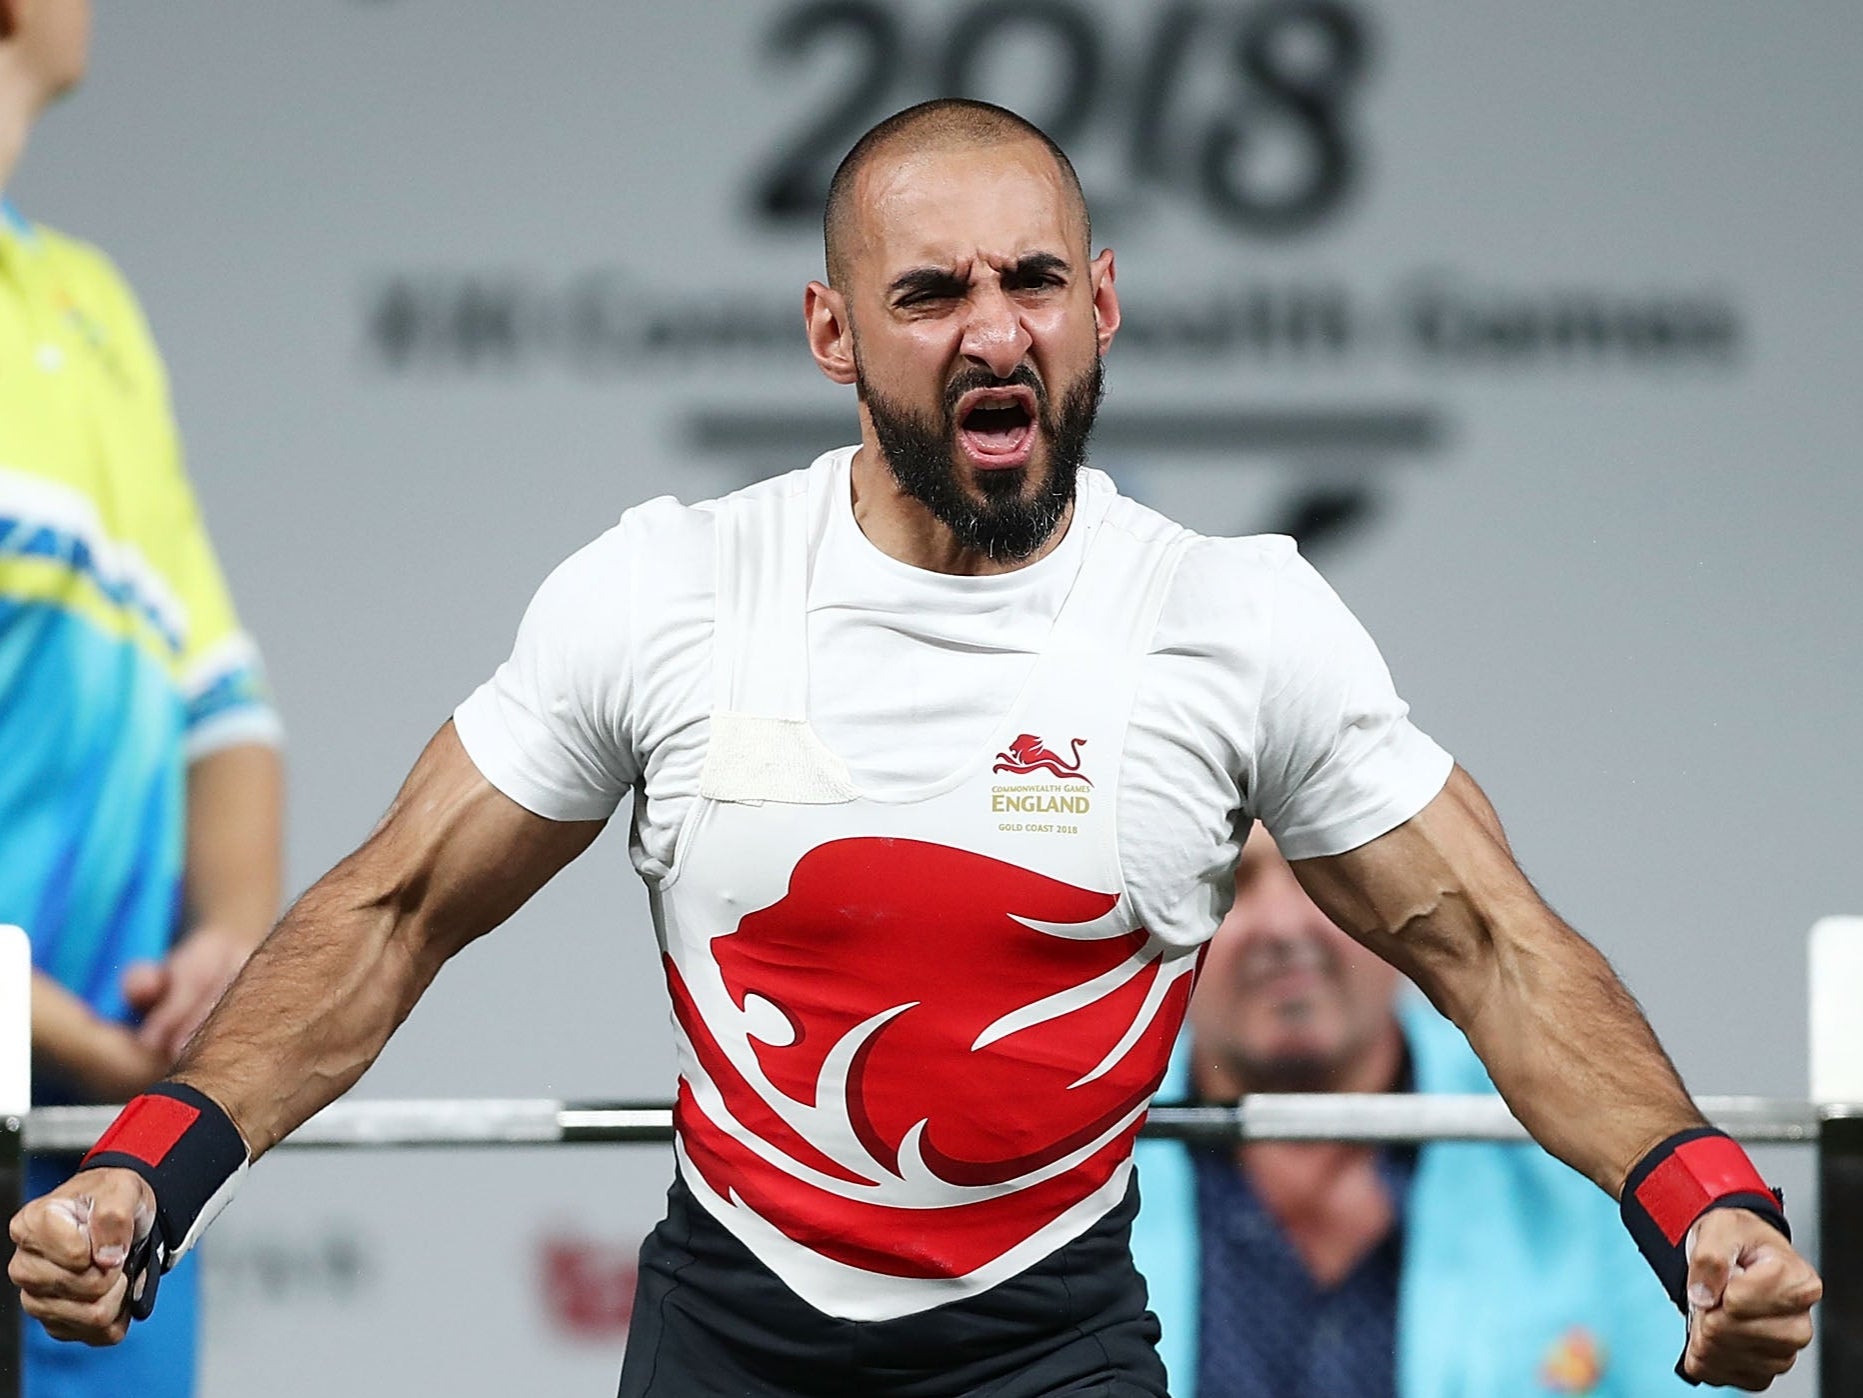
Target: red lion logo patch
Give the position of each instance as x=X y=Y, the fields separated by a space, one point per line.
x=1028 y=753
x=973 y=1024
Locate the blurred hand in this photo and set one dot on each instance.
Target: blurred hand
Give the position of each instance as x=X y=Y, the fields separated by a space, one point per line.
x=175 y=995
x=115 y=1066
x=90 y=1057
x=1749 y=1301
x=69 y=1250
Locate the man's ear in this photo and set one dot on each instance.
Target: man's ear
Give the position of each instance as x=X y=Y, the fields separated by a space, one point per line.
x=830 y=331
x=1105 y=299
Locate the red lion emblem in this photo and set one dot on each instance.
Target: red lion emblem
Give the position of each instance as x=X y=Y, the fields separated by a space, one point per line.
x=975 y=1022
x=1029 y=753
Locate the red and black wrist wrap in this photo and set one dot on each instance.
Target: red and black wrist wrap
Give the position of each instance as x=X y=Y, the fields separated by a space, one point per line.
x=189 y=1151
x=1679 y=1181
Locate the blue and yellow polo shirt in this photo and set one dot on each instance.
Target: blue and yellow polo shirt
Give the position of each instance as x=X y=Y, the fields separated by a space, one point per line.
x=121 y=658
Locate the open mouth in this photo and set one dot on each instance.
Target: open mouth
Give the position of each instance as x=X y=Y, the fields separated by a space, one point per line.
x=996 y=426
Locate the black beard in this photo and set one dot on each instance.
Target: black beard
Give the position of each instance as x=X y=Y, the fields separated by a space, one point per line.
x=1004 y=526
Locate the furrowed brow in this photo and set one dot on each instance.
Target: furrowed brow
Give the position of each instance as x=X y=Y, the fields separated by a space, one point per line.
x=1034 y=266
x=921 y=281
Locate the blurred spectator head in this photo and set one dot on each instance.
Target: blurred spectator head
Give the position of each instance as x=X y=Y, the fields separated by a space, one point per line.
x=44 y=46
x=1287 y=1002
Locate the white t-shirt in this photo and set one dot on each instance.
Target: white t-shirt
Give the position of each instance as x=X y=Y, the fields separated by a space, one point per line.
x=1261 y=697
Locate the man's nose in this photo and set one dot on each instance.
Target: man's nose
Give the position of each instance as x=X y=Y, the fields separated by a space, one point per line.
x=994 y=335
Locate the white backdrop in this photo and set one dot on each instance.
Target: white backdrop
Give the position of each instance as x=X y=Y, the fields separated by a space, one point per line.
x=1540 y=321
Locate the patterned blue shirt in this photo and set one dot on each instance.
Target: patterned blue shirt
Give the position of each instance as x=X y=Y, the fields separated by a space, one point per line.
x=1270 y=1331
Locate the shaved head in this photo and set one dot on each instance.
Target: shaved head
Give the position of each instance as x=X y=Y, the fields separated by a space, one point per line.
x=946 y=123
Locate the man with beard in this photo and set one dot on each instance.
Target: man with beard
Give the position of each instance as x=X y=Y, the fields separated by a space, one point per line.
x=1318 y=1269
x=939 y=751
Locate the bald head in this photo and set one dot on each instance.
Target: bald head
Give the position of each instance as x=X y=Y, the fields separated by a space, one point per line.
x=947 y=123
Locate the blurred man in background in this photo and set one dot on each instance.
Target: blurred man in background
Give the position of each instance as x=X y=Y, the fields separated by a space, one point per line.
x=140 y=789
x=1330 y=1270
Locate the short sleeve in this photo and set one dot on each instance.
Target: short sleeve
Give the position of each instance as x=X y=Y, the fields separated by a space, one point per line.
x=1338 y=762
x=222 y=679
x=549 y=728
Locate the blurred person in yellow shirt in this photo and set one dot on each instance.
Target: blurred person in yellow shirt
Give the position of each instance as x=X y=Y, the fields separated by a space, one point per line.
x=140 y=790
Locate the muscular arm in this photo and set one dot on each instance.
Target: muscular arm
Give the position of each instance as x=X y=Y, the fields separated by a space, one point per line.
x=1442 y=899
x=452 y=859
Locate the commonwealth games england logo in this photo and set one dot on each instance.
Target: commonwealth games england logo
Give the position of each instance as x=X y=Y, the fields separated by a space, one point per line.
x=1028 y=753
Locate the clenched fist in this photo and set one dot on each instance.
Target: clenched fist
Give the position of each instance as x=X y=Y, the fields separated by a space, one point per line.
x=69 y=1251
x=1749 y=1301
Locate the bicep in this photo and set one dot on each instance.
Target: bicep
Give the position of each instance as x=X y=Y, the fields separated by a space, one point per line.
x=457 y=854
x=1431 y=895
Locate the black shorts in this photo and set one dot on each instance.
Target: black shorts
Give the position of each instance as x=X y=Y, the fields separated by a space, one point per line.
x=710 y=1320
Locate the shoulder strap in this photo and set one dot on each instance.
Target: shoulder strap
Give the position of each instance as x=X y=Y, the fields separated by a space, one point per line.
x=761 y=747
x=760 y=637
x=1113 y=608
